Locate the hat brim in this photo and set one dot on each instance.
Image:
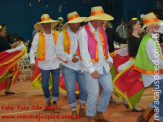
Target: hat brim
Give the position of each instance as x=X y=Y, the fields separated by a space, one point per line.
x=146 y=25
x=39 y=27
x=103 y=16
x=76 y=20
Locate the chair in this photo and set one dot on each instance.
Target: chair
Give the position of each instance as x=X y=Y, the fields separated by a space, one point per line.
x=24 y=65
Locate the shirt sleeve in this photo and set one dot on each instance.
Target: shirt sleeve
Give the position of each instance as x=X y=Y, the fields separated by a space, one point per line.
x=83 y=44
x=33 y=50
x=150 y=48
x=60 y=49
x=160 y=30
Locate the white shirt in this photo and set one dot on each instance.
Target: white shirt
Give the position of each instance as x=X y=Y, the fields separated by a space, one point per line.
x=73 y=47
x=86 y=59
x=160 y=30
x=51 y=61
x=150 y=47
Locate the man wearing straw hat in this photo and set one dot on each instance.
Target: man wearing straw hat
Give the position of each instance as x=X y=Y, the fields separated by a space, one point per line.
x=151 y=66
x=44 y=44
x=67 y=45
x=97 y=63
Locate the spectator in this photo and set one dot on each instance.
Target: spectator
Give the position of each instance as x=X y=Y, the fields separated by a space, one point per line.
x=59 y=26
x=122 y=29
x=113 y=36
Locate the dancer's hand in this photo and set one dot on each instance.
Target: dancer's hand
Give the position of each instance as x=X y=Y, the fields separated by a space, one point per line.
x=15 y=44
x=75 y=59
x=95 y=75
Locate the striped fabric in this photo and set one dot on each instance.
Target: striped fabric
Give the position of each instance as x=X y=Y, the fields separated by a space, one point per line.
x=9 y=64
x=128 y=84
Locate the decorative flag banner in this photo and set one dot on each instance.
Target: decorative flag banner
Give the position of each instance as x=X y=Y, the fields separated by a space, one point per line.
x=37 y=83
x=128 y=84
x=119 y=56
x=9 y=66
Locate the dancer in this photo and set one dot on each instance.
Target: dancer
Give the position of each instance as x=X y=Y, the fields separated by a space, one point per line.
x=97 y=63
x=6 y=75
x=44 y=44
x=151 y=65
x=66 y=49
x=130 y=92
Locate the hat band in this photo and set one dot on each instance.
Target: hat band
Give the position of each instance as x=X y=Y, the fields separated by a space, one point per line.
x=44 y=19
x=97 y=12
x=73 y=17
x=150 y=20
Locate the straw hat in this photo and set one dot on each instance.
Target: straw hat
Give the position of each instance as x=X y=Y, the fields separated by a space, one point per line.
x=97 y=13
x=45 y=18
x=149 y=19
x=74 y=17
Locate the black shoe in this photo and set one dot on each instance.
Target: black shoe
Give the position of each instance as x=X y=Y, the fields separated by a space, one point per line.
x=126 y=105
x=7 y=93
x=136 y=110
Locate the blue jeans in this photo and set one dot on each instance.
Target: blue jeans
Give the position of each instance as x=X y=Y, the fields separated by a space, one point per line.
x=45 y=83
x=160 y=105
x=105 y=81
x=70 y=78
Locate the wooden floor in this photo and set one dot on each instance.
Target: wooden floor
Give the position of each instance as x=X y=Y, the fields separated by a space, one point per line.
x=26 y=105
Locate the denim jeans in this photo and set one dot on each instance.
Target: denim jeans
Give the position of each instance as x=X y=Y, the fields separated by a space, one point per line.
x=105 y=81
x=45 y=83
x=160 y=104
x=70 y=78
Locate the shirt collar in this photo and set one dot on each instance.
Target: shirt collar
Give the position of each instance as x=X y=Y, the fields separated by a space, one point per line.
x=69 y=30
x=91 y=26
x=153 y=35
x=47 y=34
